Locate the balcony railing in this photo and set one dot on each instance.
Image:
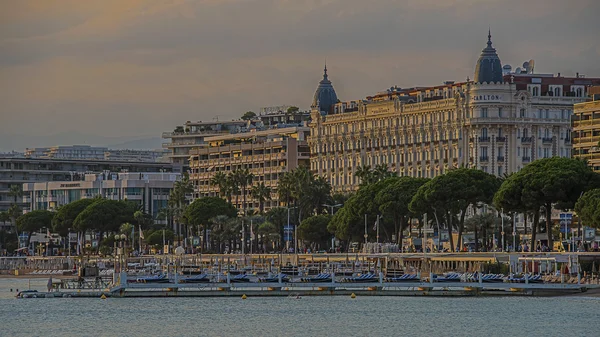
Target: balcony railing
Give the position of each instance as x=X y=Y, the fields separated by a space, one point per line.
x=484 y=139
x=500 y=158
x=547 y=140
x=526 y=139
x=526 y=159
x=501 y=139
x=484 y=158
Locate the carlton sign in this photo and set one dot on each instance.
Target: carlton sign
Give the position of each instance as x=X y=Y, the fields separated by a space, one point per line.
x=486 y=98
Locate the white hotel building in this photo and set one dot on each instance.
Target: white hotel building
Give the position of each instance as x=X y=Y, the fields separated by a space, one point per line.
x=497 y=122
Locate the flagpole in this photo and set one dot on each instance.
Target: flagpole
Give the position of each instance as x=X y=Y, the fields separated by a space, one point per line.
x=140 y=240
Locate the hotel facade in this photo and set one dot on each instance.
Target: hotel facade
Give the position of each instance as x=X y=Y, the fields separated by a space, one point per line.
x=586 y=130
x=498 y=122
x=267 y=154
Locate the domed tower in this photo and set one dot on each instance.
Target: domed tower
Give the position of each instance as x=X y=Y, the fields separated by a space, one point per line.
x=325 y=96
x=488 y=68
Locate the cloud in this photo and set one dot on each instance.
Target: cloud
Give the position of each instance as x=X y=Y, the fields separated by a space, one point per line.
x=67 y=65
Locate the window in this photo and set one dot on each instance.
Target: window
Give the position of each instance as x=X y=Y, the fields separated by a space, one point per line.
x=525 y=132
x=579 y=92
x=518 y=151
x=556 y=91
x=484 y=151
x=500 y=112
x=484 y=112
x=500 y=170
x=547 y=113
x=535 y=91
x=546 y=153
x=499 y=132
x=522 y=113
x=484 y=133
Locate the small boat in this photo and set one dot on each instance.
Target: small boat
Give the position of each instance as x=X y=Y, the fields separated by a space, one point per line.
x=199 y=278
x=240 y=278
x=320 y=278
x=405 y=278
x=368 y=277
x=160 y=278
x=284 y=278
x=27 y=294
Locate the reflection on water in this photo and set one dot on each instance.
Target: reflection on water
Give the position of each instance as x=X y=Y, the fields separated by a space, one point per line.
x=309 y=316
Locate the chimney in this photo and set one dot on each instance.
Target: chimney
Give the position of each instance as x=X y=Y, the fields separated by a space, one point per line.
x=577 y=75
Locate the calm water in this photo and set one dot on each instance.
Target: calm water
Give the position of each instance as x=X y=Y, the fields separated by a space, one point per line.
x=309 y=316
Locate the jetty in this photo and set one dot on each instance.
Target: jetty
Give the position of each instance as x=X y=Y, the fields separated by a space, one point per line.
x=482 y=274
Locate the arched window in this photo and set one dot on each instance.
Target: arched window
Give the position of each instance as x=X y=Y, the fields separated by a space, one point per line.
x=556 y=91
x=534 y=91
x=579 y=92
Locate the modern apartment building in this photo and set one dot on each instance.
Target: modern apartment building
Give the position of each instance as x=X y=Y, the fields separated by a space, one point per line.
x=497 y=122
x=160 y=155
x=268 y=154
x=85 y=152
x=586 y=130
x=150 y=190
x=19 y=171
x=193 y=134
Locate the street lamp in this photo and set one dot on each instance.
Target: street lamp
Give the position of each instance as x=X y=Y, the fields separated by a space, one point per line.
x=331 y=213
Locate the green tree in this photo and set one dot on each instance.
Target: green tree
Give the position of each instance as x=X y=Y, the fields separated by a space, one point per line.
x=393 y=200
x=4 y=217
x=248 y=115
x=243 y=179
x=269 y=233
x=365 y=174
x=15 y=191
x=292 y=110
x=178 y=201
x=34 y=221
x=201 y=211
x=105 y=216
x=261 y=193
x=155 y=237
x=14 y=211
x=482 y=224
x=314 y=230
x=65 y=216
x=278 y=217
x=220 y=180
x=588 y=208
x=545 y=183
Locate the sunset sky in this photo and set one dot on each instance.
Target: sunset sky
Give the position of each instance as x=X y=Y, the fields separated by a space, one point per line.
x=135 y=68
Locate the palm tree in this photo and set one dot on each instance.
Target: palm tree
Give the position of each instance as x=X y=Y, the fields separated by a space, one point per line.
x=220 y=180
x=320 y=193
x=365 y=173
x=4 y=217
x=233 y=188
x=178 y=199
x=261 y=193
x=244 y=178
x=381 y=172
x=285 y=187
x=16 y=191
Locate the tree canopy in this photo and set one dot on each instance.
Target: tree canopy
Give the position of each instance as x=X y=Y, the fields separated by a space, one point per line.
x=34 y=221
x=105 y=215
x=199 y=212
x=65 y=216
x=314 y=229
x=588 y=208
x=248 y=115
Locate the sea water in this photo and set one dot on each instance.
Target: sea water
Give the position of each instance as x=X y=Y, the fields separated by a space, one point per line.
x=308 y=316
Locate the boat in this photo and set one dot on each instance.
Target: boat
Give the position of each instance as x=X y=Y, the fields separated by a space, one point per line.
x=284 y=278
x=159 y=278
x=27 y=294
x=320 y=278
x=199 y=278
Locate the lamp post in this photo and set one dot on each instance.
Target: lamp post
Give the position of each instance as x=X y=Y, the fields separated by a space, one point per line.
x=331 y=213
x=295 y=229
x=69 y=247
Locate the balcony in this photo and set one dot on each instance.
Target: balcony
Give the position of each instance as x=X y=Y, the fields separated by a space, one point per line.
x=484 y=158
x=500 y=158
x=484 y=139
x=526 y=139
x=501 y=139
x=526 y=159
x=547 y=140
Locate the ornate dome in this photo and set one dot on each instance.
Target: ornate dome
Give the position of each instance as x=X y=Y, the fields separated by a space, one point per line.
x=325 y=96
x=488 y=68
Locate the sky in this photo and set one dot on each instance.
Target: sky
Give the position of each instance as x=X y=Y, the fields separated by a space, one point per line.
x=79 y=70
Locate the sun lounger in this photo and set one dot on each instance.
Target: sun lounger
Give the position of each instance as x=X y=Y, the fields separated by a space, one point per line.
x=405 y=278
x=239 y=278
x=368 y=277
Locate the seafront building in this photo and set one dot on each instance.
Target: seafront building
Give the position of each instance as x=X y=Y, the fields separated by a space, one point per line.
x=86 y=152
x=586 y=129
x=192 y=134
x=267 y=154
x=149 y=189
x=497 y=122
x=19 y=171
